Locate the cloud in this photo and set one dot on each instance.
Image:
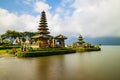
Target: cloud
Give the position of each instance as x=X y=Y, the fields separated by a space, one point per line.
x=94 y=18
x=24 y=22
x=6 y=19
x=54 y=20
x=40 y=6
x=30 y=2
x=91 y=18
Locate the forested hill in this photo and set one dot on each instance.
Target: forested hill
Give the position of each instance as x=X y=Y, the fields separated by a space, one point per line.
x=101 y=40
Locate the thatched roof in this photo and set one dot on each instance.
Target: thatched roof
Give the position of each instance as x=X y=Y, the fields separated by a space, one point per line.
x=60 y=36
x=42 y=36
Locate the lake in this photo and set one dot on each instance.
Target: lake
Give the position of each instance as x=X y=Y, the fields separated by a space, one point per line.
x=98 y=65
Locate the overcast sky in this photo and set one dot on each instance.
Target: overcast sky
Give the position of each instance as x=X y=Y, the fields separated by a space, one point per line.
x=91 y=18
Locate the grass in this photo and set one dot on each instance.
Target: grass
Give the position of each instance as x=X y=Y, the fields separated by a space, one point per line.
x=2 y=51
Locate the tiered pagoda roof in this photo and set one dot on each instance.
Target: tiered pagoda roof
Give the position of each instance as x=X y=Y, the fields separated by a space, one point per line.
x=80 y=39
x=43 y=30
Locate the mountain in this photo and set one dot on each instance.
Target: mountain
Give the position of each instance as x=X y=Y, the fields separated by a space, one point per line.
x=100 y=40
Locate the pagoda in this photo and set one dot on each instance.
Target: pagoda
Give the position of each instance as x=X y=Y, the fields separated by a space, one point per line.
x=43 y=33
x=44 y=39
x=80 y=40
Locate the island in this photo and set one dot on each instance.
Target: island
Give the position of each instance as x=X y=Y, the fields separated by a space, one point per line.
x=43 y=44
x=82 y=46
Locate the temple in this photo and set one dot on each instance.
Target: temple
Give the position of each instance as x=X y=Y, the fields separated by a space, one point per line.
x=60 y=39
x=80 y=41
x=44 y=38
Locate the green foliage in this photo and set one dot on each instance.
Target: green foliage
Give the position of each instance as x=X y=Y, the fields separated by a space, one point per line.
x=84 y=49
x=29 y=34
x=29 y=48
x=12 y=34
x=0 y=39
x=10 y=51
x=2 y=51
x=8 y=47
x=7 y=41
x=50 y=49
x=23 y=39
x=80 y=49
x=92 y=49
x=19 y=54
x=46 y=52
x=26 y=48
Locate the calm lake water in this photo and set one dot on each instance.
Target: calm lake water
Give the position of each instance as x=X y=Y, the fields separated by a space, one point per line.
x=101 y=65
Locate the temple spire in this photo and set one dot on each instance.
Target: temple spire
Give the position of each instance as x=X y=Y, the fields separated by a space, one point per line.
x=43 y=33
x=43 y=30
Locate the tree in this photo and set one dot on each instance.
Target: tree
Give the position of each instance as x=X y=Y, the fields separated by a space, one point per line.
x=11 y=35
x=7 y=41
x=0 y=39
x=28 y=34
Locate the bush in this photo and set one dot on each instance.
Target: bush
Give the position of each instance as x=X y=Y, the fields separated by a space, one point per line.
x=80 y=49
x=10 y=52
x=29 y=48
x=84 y=49
x=43 y=53
x=92 y=49
x=8 y=47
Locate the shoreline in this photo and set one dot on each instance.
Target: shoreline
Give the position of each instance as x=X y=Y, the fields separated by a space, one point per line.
x=46 y=52
x=6 y=55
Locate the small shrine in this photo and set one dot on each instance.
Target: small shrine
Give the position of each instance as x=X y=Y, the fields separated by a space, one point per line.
x=60 y=39
x=80 y=41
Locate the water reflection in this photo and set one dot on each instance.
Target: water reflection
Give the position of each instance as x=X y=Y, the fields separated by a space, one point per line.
x=102 y=65
x=49 y=68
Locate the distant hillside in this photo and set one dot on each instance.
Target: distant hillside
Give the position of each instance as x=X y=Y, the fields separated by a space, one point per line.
x=101 y=40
